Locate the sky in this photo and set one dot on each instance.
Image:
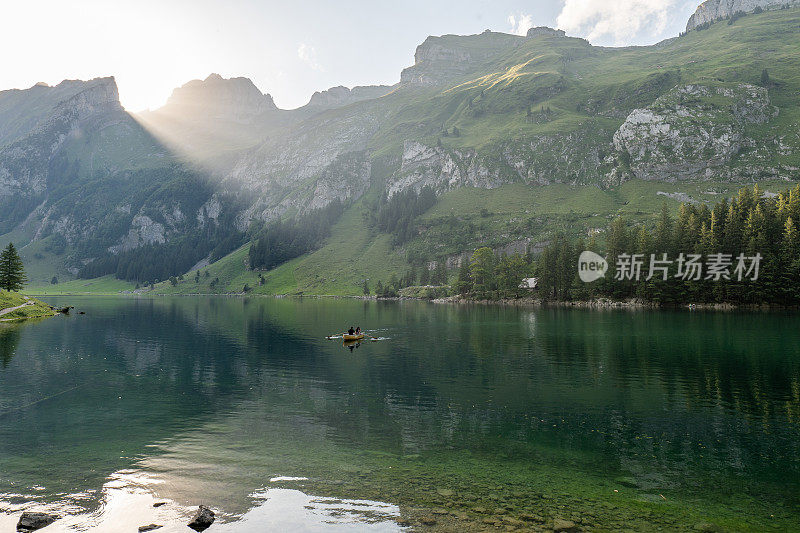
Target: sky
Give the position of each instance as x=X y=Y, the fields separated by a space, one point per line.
x=289 y=49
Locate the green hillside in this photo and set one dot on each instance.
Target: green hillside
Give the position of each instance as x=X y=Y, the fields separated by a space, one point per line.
x=355 y=251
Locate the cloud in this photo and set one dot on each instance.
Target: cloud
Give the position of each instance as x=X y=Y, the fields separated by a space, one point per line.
x=520 y=24
x=308 y=55
x=618 y=21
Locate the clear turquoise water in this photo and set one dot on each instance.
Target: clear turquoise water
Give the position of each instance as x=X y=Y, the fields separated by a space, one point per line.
x=475 y=416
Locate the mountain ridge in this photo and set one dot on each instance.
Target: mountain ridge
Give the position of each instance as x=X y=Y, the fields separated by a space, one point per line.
x=713 y=10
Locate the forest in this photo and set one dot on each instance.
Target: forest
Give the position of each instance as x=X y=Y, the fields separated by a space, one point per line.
x=395 y=215
x=286 y=239
x=712 y=240
x=742 y=251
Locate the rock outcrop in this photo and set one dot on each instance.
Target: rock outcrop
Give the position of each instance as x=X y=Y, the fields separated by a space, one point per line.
x=712 y=10
x=544 y=30
x=691 y=131
x=441 y=170
x=441 y=59
x=33 y=521
x=202 y=519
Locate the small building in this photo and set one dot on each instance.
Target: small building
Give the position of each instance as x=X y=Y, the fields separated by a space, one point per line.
x=529 y=283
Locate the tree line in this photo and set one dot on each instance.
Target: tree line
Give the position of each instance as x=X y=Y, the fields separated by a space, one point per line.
x=395 y=215
x=698 y=256
x=488 y=275
x=156 y=262
x=425 y=276
x=286 y=239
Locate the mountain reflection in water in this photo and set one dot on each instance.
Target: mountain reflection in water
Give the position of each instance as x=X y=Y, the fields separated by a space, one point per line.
x=221 y=401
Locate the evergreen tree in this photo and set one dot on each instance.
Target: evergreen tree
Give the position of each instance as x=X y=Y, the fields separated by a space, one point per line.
x=365 y=288
x=440 y=273
x=765 y=81
x=424 y=275
x=481 y=270
x=12 y=272
x=464 y=282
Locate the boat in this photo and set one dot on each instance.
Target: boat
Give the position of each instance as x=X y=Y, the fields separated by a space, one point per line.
x=348 y=338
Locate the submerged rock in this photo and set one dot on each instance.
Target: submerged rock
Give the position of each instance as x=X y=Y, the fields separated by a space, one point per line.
x=33 y=521
x=203 y=519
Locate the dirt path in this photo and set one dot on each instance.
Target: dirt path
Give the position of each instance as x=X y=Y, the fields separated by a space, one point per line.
x=12 y=309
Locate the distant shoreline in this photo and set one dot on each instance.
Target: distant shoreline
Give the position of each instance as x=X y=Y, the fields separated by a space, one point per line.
x=598 y=304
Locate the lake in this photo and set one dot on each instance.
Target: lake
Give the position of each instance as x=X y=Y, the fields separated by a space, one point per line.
x=463 y=418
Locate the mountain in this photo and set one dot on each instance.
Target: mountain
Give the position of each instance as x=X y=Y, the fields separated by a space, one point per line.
x=81 y=180
x=516 y=136
x=234 y=99
x=206 y=120
x=713 y=10
x=43 y=123
x=341 y=96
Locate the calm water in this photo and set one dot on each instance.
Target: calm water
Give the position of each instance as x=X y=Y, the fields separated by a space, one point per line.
x=472 y=417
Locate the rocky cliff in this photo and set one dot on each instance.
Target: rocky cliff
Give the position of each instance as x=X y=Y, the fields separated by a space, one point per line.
x=693 y=131
x=442 y=59
x=712 y=10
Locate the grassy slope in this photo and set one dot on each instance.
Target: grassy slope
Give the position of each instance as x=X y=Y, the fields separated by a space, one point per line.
x=13 y=299
x=103 y=285
x=353 y=253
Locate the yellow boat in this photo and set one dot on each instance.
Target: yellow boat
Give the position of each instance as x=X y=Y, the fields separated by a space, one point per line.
x=347 y=338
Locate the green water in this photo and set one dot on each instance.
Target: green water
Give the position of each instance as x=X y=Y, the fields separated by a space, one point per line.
x=474 y=417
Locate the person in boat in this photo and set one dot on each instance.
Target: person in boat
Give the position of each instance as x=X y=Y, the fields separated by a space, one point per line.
x=358 y=330
x=351 y=331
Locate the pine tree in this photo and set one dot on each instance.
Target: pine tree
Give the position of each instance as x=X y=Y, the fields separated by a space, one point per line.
x=481 y=269
x=439 y=274
x=464 y=282
x=791 y=241
x=365 y=288
x=424 y=275
x=663 y=231
x=765 y=81
x=12 y=272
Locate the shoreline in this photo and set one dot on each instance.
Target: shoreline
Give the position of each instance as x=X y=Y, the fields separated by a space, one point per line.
x=29 y=308
x=597 y=304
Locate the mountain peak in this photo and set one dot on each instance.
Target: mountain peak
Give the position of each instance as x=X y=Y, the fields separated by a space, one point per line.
x=236 y=99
